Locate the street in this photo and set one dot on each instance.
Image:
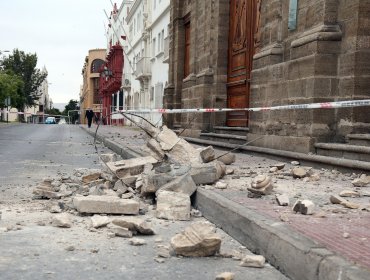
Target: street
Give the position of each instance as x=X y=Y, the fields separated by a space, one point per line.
x=31 y=248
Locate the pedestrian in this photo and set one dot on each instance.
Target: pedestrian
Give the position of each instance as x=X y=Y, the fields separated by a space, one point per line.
x=89 y=115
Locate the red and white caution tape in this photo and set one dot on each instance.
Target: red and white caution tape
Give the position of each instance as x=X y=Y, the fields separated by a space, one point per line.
x=325 y=105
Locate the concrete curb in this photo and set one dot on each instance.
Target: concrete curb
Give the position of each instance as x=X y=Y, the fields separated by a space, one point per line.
x=339 y=162
x=124 y=152
x=293 y=254
x=296 y=256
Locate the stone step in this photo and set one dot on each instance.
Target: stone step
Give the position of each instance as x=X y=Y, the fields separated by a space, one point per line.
x=346 y=151
x=347 y=165
x=227 y=138
x=231 y=130
x=359 y=139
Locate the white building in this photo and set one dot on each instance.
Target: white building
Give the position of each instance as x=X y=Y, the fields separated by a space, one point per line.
x=145 y=52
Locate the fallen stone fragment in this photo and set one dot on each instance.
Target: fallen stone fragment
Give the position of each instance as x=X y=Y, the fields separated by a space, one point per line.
x=279 y=166
x=121 y=232
x=196 y=213
x=197 y=240
x=108 y=157
x=262 y=191
x=261 y=181
x=105 y=205
x=253 y=261
x=91 y=177
x=334 y=199
x=228 y=158
x=55 y=209
x=207 y=173
x=159 y=260
x=62 y=220
x=99 y=221
x=127 y=195
x=282 y=199
x=350 y=205
x=184 y=153
x=70 y=248
x=363 y=181
x=273 y=169
x=156 y=149
x=45 y=190
x=167 y=138
x=315 y=177
x=305 y=207
x=295 y=163
x=183 y=184
x=207 y=154
x=130 y=167
x=284 y=218
x=299 y=172
x=346 y=235
x=173 y=206
x=229 y=171
x=153 y=182
x=221 y=185
x=349 y=193
x=137 y=242
x=225 y=276
x=163 y=251
x=134 y=224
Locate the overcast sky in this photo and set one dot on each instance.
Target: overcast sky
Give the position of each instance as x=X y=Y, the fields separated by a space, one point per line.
x=61 y=32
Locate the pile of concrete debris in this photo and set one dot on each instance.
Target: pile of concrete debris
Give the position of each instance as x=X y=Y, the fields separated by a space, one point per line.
x=168 y=177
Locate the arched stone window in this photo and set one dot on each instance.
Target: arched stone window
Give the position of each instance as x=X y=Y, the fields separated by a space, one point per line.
x=95 y=65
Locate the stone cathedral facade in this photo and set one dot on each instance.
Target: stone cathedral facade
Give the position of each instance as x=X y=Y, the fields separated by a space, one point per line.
x=256 y=53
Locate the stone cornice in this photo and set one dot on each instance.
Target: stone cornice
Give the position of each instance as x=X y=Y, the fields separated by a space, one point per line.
x=319 y=33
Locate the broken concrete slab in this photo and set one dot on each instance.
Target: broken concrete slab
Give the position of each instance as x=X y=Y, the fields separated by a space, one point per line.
x=253 y=261
x=207 y=173
x=121 y=231
x=207 y=154
x=173 y=206
x=44 y=193
x=282 y=199
x=108 y=157
x=99 y=221
x=184 y=153
x=221 y=185
x=184 y=184
x=167 y=138
x=336 y=199
x=62 y=220
x=130 y=167
x=137 y=242
x=197 y=240
x=299 y=172
x=349 y=193
x=305 y=207
x=350 y=205
x=105 y=205
x=156 y=149
x=91 y=177
x=134 y=224
x=228 y=158
x=225 y=276
x=152 y=182
x=363 y=181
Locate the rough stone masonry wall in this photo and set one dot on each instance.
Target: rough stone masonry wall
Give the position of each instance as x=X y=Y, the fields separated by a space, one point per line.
x=314 y=63
x=205 y=86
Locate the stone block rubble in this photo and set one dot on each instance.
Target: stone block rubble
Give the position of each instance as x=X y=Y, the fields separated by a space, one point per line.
x=118 y=196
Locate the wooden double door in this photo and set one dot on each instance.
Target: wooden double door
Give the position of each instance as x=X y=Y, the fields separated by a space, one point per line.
x=244 y=18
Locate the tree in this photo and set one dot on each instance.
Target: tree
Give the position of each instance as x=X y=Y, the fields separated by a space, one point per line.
x=24 y=66
x=10 y=86
x=72 y=106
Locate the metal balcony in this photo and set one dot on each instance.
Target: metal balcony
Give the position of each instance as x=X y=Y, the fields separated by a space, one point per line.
x=143 y=69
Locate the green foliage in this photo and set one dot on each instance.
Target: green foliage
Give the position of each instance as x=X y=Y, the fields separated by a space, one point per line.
x=24 y=66
x=53 y=111
x=10 y=86
x=72 y=105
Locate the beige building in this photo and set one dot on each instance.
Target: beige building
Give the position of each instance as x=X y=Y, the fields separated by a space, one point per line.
x=89 y=93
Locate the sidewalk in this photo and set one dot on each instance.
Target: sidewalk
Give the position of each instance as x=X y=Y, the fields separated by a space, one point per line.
x=321 y=246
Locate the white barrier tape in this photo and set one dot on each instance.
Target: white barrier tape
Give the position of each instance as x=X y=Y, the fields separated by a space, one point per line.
x=325 y=105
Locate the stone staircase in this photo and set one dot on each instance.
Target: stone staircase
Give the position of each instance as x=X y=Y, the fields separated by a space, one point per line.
x=356 y=148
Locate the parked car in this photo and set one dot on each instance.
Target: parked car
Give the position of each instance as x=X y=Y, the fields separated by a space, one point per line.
x=50 y=120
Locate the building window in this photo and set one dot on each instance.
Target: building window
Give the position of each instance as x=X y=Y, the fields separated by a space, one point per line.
x=162 y=41
x=154 y=46
x=187 y=48
x=159 y=43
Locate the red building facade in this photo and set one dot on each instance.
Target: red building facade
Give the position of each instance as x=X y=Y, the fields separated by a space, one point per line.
x=110 y=80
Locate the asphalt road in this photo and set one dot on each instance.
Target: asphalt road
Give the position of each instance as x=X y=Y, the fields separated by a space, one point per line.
x=30 y=248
